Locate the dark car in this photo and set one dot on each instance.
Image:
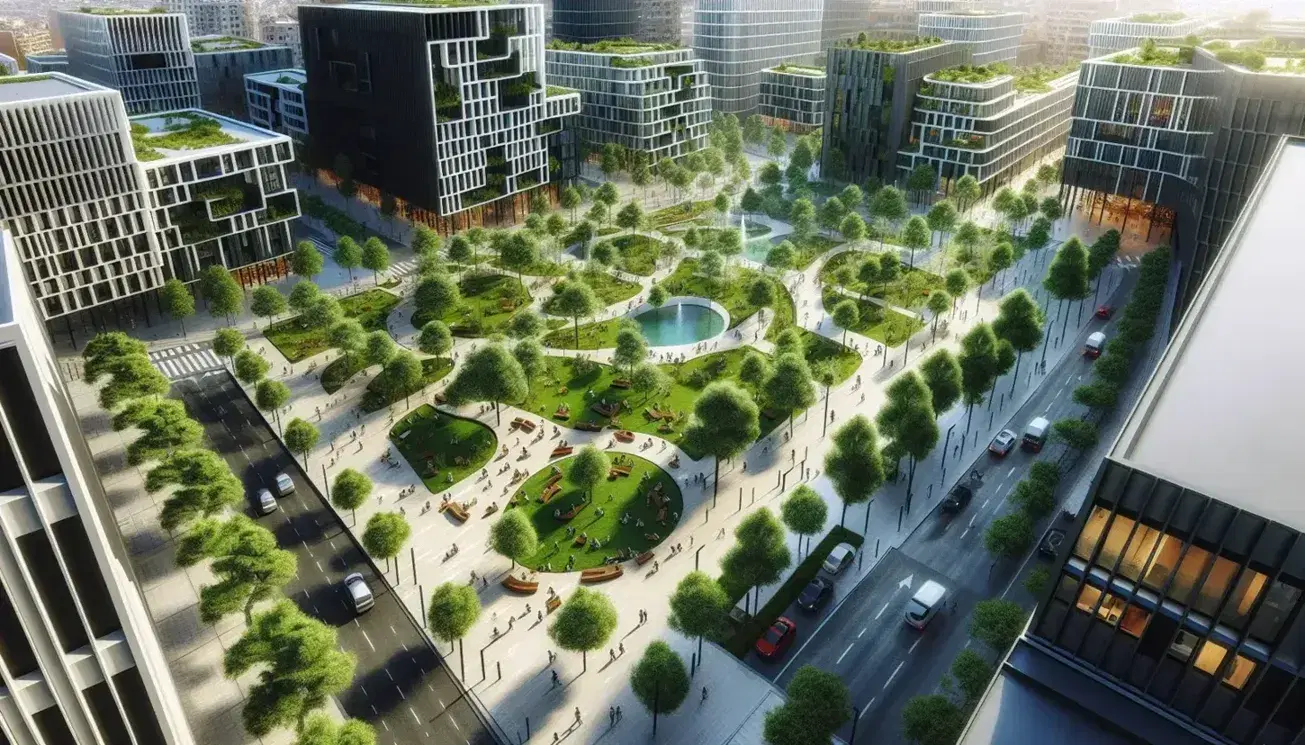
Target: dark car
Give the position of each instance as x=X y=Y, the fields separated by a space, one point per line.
x=1051 y=542
x=1104 y=312
x=961 y=494
x=777 y=638
x=815 y=594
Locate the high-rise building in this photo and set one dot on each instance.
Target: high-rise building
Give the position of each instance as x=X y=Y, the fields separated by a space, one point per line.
x=221 y=64
x=993 y=36
x=870 y=90
x=1067 y=27
x=374 y=71
x=588 y=21
x=215 y=17
x=143 y=54
x=1174 y=611
x=284 y=32
x=842 y=20
x=275 y=100
x=737 y=39
x=81 y=659
x=652 y=98
x=793 y=97
x=1117 y=34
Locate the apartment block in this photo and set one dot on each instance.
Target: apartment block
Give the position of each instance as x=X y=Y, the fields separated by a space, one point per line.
x=373 y=72
x=992 y=36
x=737 y=39
x=870 y=90
x=1174 y=609
x=648 y=97
x=215 y=17
x=283 y=32
x=793 y=97
x=81 y=658
x=275 y=100
x=1067 y=26
x=988 y=123
x=48 y=62
x=219 y=192
x=221 y=64
x=1117 y=34
x=588 y=21
x=145 y=55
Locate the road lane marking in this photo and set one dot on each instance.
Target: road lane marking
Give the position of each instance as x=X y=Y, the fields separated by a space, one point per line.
x=867 y=708
x=894 y=675
x=967 y=530
x=862 y=633
x=415 y=718
x=455 y=723
x=982 y=507
x=319 y=567
x=877 y=615
x=1011 y=471
x=844 y=654
x=369 y=641
x=913 y=646
x=400 y=690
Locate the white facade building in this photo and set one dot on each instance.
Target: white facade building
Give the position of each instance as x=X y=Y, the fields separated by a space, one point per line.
x=285 y=33
x=215 y=17
x=1118 y=34
x=275 y=100
x=737 y=39
x=992 y=36
x=81 y=660
x=145 y=55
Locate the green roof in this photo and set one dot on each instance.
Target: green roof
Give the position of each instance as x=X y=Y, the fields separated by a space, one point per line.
x=614 y=46
x=786 y=68
x=441 y=3
x=890 y=45
x=204 y=44
x=120 y=11
x=1166 y=17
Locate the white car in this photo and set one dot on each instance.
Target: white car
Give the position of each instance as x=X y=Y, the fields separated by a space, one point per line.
x=1002 y=444
x=839 y=558
x=284 y=484
x=266 y=503
x=359 y=593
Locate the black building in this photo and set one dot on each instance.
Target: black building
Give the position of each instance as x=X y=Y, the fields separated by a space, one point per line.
x=587 y=21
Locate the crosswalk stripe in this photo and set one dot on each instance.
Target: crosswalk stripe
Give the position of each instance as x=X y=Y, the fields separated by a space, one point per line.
x=184 y=360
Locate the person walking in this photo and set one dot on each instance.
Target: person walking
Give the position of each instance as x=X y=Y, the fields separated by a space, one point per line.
x=577 y=715
x=704 y=694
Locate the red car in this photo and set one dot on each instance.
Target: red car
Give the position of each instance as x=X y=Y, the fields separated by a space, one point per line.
x=777 y=638
x=1105 y=312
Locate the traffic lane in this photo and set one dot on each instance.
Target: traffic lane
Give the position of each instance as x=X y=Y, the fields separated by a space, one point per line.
x=807 y=622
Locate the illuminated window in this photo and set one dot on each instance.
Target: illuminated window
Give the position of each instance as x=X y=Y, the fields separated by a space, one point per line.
x=1239 y=672
x=1210 y=657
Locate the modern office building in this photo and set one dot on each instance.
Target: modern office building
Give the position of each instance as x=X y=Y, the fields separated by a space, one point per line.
x=143 y=54
x=1118 y=34
x=589 y=21
x=842 y=20
x=214 y=17
x=993 y=36
x=870 y=90
x=471 y=158
x=221 y=64
x=737 y=39
x=283 y=32
x=652 y=98
x=1067 y=27
x=81 y=658
x=47 y=62
x=1174 y=611
x=793 y=97
x=275 y=100
x=220 y=194
x=988 y=123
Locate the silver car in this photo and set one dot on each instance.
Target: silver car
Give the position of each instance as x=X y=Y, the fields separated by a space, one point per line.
x=266 y=502
x=839 y=558
x=284 y=484
x=359 y=593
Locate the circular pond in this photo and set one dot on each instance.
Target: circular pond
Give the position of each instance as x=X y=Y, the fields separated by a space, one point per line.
x=680 y=323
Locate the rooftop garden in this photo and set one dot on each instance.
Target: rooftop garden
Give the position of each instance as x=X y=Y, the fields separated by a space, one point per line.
x=6 y=78
x=223 y=44
x=553 y=91
x=184 y=132
x=442 y=3
x=1038 y=79
x=867 y=44
x=1151 y=55
x=1165 y=17
x=290 y=80
x=613 y=46
x=96 y=11
x=971 y=73
x=799 y=70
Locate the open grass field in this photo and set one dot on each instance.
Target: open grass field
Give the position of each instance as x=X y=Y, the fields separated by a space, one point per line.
x=541 y=268
x=911 y=290
x=296 y=342
x=732 y=293
x=601 y=335
x=679 y=213
x=877 y=322
x=443 y=449
x=488 y=302
x=433 y=370
x=616 y=497
x=608 y=287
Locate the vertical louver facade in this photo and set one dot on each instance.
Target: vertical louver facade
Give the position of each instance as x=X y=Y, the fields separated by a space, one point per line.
x=146 y=56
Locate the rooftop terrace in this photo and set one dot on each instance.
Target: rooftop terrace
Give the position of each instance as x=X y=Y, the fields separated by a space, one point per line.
x=208 y=44
x=614 y=46
x=15 y=88
x=185 y=133
x=815 y=72
x=97 y=11
x=896 y=46
x=1166 y=17
x=292 y=77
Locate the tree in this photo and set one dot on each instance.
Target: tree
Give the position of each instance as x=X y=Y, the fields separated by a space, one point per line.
x=130 y=377
x=631 y=348
x=777 y=145
x=164 y=427
x=939 y=302
x=302 y=666
x=802 y=156
x=781 y=256
x=909 y=420
x=699 y=607
x=967 y=191
x=425 y=240
x=300 y=438
x=658 y=296
x=631 y=216
x=436 y=296
x=789 y=386
x=754 y=370
x=375 y=255
x=461 y=251
x=1047 y=174
x=932 y=719
x=378 y=348
x=649 y=380
x=513 y=536
x=492 y=374
x=271 y=396
x=570 y=200
x=529 y=353
x=589 y=468
x=980 y=367
x=851 y=197
x=1051 y=209
x=204 y=485
x=660 y=680
x=304 y=294
x=1034 y=497
x=803 y=217
x=770 y=175
x=804 y=513
x=761 y=293
x=942 y=374
x=1009 y=536
x=228 y=343
x=832 y=213
x=789 y=342
x=942 y=218
x=598 y=213
x=520 y=252
x=250 y=367
x=350 y=490
x=754 y=130
x=177 y=301
x=916 y=236
x=454 y=609
x=921 y=180
x=108 y=348
x=223 y=293
x=247 y=564
x=306 y=261
x=759 y=555
x=846 y=315
x=997 y=623
x=575 y=300
x=320 y=729
x=402 y=375
x=724 y=423
x=1099 y=257
x=266 y=302
x=347 y=254
x=1000 y=259
x=1076 y=433
x=751 y=201
x=385 y=534
x=971 y=674
x=436 y=339
x=852 y=228
x=721 y=203
x=1067 y=277
x=324 y=313
x=821 y=701
x=1019 y=323
x=888 y=205
x=584 y=622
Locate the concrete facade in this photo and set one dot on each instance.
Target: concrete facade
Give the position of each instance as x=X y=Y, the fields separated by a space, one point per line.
x=221 y=64
x=275 y=100
x=793 y=97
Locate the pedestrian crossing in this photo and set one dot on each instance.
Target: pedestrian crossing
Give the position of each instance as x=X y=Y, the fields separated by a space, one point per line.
x=186 y=360
x=403 y=268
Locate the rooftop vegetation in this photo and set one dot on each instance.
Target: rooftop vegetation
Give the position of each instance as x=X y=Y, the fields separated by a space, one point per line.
x=223 y=44
x=867 y=44
x=1038 y=79
x=613 y=46
x=7 y=78
x=1165 y=17
x=184 y=132
x=96 y=11
x=442 y=3
x=971 y=73
x=1151 y=55
x=553 y=91
x=799 y=70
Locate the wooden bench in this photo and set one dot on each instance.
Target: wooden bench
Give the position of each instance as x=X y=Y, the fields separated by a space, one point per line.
x=457 y=511
x=580 y=540
x=516 y=423
x=552 y=604
x=552 y=491
x=602 y=574
x=608 y=411
x=526 y=587
x=625 y=435
x=643 y=558
x=439 y=398
x=588 y=426
x=527 y=426
x=618 y=471
x=571 y=513
x=562 y=452
x=562 y=413
x=620 y=383
x=553 y=479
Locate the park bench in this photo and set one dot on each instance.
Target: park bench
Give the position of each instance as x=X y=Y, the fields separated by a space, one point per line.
x=562 y=413
x=527 y=426
x=506 y=304
x=625 y=435
x=608 y=411
x=618 y=471
x=552 y=603
x=620 y=383
x=561 y=452
x=439 y=398
x=516 y=423
x=602 y=574
x=580 y=540
x=666 y=428
x=643 y=558
x=554 y=479
x=550 y=492
x=589 y=426
x=655 y=414
x=571 y=513
x=457 y=511
x=524 y=586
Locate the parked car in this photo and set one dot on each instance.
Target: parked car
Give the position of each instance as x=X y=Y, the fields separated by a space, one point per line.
x=284 y=484
x=359 y=593
x=1051 y=542
x=1104 y=312
x=1002 y=444
x=924 y=604
x=817 y=592
x=839 y=558
x=266 y=502
x=777 y=638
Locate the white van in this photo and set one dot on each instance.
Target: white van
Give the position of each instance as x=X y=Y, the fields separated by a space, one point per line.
x=1096 y=341
x=359 y=593
x=1035 y=435
x=924 y=604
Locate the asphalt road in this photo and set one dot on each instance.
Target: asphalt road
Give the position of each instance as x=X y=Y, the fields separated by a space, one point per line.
x=399 y=686
x=861 y=636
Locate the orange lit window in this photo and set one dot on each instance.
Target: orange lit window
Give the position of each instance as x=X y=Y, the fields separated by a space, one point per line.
x=1239 y=672
x=1210 y=657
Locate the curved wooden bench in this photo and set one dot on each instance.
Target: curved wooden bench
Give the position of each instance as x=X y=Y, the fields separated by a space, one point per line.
x=624 y=435
x=602 y=574
x=524 y=586
x=643 y=558
x=561 y=452
x=552 y=604
x=458 y=512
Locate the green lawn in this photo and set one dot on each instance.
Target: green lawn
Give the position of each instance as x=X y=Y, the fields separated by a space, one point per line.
x=878 y=323
x=483 y=311
x=678 y=213
x=638 y=253
x=433 y=370
x=615 y=497
x=809 y=249
x=341 y=369
x=296 y=343
x=601 y=335
x=608 y=287
x=819 y=349
x=541 y=268
x=436 y=440
x=732 y=294
x=911 y=290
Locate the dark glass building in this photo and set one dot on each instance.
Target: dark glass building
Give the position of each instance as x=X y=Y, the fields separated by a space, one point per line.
x=587 y=21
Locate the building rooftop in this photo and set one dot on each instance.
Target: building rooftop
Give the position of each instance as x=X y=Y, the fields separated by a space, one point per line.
x=614 y=46
x=1221 y=415
x=290 y=77
x=1163 y=18
x=788 y=69
x=421 y=5
x=890 y=45
x=1153 y=56
x=15 y=88
x=99 y=11
x=210 y=44
x=185 y=134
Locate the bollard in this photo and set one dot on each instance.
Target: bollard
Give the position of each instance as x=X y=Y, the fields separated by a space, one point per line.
x=499 y=665
x=412 y=554
x=421 y=596
x=754 y=496
x=706 y=516
x=483 y=676
x=930 y=495
x=527 y=728
x=1003 y=401
x=740 y=499
x=990 y=419
x=777 y=478
x=876 y=548
x=899 y=518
